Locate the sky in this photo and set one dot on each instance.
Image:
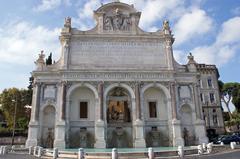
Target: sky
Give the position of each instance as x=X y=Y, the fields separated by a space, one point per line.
x=210 y=29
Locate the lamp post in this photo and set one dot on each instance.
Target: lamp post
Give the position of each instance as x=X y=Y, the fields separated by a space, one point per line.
x=14 y=120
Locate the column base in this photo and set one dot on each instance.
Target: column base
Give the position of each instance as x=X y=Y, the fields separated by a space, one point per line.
x=100 y=144
x=59 y=144
x=100 y=134
x=59 y=141
x=32 y=139
x=177 y=133
x=200 y=131
x=139 y=136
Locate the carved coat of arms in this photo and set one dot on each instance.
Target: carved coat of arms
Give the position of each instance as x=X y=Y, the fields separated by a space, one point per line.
x=117 y=22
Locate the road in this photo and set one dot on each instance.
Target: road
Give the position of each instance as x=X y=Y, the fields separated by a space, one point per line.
x=226 y=155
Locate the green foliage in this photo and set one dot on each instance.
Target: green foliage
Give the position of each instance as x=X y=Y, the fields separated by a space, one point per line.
x=235 y=119
x=230 y=92
x=49 y=60
x=22 y=123
x=12 y=97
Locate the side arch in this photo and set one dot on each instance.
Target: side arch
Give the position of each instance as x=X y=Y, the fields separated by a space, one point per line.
x=158 y=85
x=75 y=86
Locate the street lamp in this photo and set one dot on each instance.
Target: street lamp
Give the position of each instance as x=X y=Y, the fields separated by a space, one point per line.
x=14 y=120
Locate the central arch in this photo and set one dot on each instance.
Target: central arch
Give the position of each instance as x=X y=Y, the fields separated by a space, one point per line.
x=119 y=108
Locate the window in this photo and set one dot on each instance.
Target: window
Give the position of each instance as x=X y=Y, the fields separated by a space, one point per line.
x=215 y=117
x=212 y=98
x=152 y=109
x=83 y=110
x=201 y=97
x=209 y=81
x=201 y=84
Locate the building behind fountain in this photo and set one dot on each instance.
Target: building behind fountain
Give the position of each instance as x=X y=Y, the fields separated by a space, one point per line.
x=119 y=86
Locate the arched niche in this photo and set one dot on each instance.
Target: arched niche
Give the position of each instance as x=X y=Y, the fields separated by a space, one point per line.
x=187 y=127
x=48 y=126
x=156 y=115
x=82 y=102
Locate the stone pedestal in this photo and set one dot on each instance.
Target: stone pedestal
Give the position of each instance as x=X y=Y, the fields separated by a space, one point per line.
x=139 y=136
x=59 y=141
x=100 y=134
x=177 y=133
x=200 y=131
x=32 y=134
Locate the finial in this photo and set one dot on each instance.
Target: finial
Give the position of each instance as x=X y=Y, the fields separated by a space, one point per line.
x=40 y=63
x=191 y=59
x=67 y=23
x=166 y=25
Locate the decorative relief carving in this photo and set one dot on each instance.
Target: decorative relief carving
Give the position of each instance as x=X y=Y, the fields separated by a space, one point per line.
x=50 y=102
x=117 y=22
x=49 y=92
x=185 y=92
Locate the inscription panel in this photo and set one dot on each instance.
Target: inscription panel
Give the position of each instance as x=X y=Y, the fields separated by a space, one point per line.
x=117 y=53
x=116 y=76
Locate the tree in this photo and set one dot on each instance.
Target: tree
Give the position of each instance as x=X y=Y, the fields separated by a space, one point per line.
x=230 y=92
x=49 y=60
x=14 y=97
x=236 y=96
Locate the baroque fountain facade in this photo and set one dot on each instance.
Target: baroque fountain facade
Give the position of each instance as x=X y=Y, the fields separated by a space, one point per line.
x=116 y=86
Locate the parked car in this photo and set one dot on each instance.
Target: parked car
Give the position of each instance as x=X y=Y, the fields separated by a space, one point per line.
x=227 y=139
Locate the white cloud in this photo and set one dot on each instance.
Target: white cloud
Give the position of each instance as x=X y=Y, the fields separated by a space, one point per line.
x=180 y=56
x=47 y=5
x=236 y=11
x=192 y=24
x=51 y=4
x=224 y=48
x=230 y=31
x=155 y=10
x=85 y=15
x=21 y=42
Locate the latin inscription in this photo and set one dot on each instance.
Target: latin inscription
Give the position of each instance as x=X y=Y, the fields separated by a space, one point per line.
x=117 y=53
x=127 y=76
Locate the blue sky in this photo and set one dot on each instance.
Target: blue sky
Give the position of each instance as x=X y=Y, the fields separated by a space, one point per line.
x=210 y=29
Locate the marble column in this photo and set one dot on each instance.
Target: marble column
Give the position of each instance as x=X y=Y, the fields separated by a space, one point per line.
x=199 y=123
x=138 y=106
x=63 y=115
x=197 y=101
x=173 y=100
x=100 y=92
x=169 y=52
x=99 y=123
x=65 y=52
x=59 y=141
x=33 y=129
x=176 y=124
x=138 y=123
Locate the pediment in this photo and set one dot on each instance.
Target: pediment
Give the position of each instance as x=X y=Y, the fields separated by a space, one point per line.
x=117 y=17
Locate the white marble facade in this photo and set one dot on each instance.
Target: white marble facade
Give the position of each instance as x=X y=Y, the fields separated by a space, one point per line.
x=116 y=83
